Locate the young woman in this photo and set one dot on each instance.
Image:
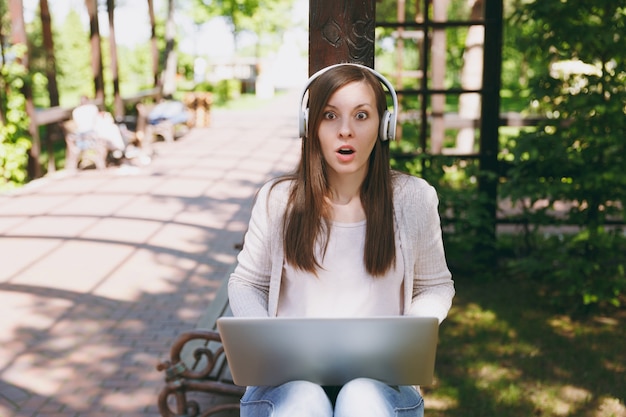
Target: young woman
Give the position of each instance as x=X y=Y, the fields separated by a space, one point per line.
x=343 y=236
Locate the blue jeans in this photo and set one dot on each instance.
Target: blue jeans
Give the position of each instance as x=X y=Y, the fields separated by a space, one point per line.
x=358 y=398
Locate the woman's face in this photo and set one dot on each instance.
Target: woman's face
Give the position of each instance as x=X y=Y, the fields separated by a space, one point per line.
x=349 y=130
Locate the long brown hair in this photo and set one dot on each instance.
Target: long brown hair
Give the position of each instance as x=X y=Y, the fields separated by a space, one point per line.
x=308 y=214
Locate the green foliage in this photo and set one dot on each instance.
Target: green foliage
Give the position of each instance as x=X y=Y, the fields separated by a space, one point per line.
x=226 y=90
x=14 y=137
x=570 y=170
x=135 y=68
x=268 y=21
x=204 y=87
x=575 y=272
x=73 y=62
x=73 y=57
x=411 y=55
x=234 y=10
x=223 y=91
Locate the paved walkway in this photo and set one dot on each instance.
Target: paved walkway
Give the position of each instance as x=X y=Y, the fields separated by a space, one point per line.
x=99 y=271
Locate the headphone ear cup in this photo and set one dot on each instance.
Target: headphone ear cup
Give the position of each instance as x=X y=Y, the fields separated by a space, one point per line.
x=391 y=128
x=303 y=122
x=387 y=130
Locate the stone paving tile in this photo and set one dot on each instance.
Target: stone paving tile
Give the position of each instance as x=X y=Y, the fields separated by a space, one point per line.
x=101 y=270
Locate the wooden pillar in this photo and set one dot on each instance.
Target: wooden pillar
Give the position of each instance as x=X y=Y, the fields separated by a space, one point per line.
x=96 y=51
x=490 y=120
x=118 y=105
x=438 y=53
x=341 y=31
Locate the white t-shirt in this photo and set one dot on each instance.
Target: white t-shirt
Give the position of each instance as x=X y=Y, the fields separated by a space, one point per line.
x=342 y=287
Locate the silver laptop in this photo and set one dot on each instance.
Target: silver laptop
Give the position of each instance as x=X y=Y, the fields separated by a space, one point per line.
x=330 y=351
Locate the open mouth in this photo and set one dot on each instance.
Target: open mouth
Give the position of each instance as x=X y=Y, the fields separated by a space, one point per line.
x=344 y=151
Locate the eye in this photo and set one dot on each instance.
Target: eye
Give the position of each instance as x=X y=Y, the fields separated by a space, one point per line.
x=329 y=115
x=362 y=115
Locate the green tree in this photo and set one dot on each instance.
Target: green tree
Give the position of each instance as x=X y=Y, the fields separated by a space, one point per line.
x=272 y=18
x=135 y=69
x=575 y=159
x=233 y=10
x=269 y=24
x=73 y=59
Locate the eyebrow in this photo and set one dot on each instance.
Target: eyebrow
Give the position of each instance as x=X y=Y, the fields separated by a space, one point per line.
x=358 y=106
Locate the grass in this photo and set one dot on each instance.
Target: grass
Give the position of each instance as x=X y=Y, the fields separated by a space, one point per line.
x=504 y=352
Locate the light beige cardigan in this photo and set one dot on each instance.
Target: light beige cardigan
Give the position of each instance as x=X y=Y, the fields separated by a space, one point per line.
x=254 y=286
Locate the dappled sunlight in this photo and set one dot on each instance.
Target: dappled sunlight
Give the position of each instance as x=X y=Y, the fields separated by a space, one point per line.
x=567 y=327
x=563 y=326
x=501 y=380
x=504 y=341
x=502 y=352
x=126 y=401
x=614 y=366
x=43 y=313
x=94 y=347
x=559 y=400
x=26 y=369
x=472 y=319
x=489 y=374
x=437 y=401
x=610 y=407
x=475 y=315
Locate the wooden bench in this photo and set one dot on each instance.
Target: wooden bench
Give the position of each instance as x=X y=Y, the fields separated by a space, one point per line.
x=197 y=364
x=83 y=148
x=165 y=128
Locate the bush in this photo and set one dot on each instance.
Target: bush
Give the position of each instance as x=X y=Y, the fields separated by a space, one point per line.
x=574 y=272
x=226 y=90
x=569 y=172
x=14 y=137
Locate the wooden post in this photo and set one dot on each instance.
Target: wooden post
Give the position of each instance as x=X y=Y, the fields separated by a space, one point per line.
x=438 y=74
x=490 y=120
x=341 y=31
x=118 y=105
x=96 y=50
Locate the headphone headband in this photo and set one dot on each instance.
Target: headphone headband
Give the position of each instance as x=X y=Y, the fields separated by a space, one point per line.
x=388 y=120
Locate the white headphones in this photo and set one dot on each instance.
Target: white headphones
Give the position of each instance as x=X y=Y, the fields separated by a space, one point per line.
x=388 y=120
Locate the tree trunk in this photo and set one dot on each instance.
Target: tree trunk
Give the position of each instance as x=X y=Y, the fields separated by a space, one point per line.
x=153 y=46
x=48 y=45
x=96 y=51
x=51 y=75
x=18 y=36
x=118 y=106
x=169 y=75
x=471 y=79
x=4 y=85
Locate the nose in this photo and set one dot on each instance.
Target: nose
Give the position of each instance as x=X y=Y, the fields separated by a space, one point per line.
x=345 y=128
